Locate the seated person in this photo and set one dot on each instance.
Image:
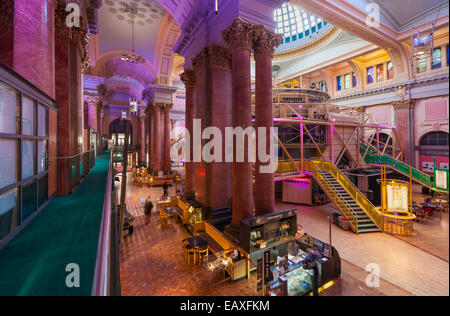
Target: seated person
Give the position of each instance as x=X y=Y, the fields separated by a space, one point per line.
x=293 y=248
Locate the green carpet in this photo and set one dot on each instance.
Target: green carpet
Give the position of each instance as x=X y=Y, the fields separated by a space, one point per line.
x=66 y=231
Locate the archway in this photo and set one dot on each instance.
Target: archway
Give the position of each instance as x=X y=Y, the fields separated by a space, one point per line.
x=433 y=151
x=118 y=130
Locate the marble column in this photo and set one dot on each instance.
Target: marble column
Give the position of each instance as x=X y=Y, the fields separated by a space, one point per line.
x=214 y=105
x=33 y=53
x=404 y=120
x=157 y=141
x=264 y=45
x=239 y=37
x=92 y=103
x=7 y=33
x=167 y=162
x=142 y=138
x=68 y=93
x=188 y=77
x=100 y=118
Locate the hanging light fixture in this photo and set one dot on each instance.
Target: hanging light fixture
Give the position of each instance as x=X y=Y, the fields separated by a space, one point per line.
x=422 y=44
x=216 y=6
x=133 y=104
x=132 y=58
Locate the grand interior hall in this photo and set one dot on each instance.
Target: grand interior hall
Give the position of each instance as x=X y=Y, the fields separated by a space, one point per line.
x=224 y=148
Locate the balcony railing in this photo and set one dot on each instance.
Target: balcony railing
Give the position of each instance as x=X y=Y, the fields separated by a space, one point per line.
x=107 y=274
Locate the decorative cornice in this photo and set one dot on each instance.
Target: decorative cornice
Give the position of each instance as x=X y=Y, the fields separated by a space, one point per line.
x=188 y=78
x=212 y=56
x=308 y=47
x=239 y=35
x=265 y=41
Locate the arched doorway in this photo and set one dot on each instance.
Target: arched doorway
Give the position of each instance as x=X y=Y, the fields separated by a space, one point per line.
x=433 y=147
x=117 y=131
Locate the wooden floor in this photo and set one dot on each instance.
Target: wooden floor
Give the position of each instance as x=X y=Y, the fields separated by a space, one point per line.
x=152 y=260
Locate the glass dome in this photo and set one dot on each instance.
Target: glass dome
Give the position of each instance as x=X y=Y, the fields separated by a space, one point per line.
x=298 y=26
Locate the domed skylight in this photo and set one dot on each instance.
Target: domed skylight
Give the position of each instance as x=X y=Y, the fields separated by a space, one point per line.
x=298 y=26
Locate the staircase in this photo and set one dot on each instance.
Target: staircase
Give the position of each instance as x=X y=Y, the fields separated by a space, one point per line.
x=363 y=216
x=364 y=223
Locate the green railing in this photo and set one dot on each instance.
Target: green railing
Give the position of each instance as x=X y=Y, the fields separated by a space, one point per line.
x=417 y=175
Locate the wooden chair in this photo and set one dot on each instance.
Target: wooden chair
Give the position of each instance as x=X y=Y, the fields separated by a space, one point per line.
x=201 y=253
x=188 y=253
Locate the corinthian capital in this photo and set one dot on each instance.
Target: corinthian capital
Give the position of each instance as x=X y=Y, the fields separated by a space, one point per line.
x=239 y=34
x=188 y=78
x=212 y=56
x=265 y=41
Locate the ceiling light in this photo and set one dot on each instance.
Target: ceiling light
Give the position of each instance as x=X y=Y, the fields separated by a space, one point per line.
x=132 y=57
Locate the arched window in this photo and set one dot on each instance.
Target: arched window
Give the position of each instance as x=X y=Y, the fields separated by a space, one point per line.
x=435 y=139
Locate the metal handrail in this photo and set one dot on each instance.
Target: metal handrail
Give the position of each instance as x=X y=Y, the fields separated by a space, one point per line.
x=101 y=283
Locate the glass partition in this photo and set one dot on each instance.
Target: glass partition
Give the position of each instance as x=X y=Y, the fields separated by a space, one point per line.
x=24 y=115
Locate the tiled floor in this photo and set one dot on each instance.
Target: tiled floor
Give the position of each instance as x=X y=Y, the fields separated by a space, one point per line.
x=152 y=260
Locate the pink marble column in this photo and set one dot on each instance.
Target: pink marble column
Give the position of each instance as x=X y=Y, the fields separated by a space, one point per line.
x=92 y=117
x=167 y=130
x=7 y=32
x=404 y=120
x=68 y=94
x=157 y=141
x=142 y=138
x=188 y=77
x=152 y=139
x=213 y=71
x=239 y=38
x=34 y=43
x=265 y=42
x=100 y=118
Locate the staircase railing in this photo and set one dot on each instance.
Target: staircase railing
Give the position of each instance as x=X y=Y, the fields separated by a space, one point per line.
x=313 y=167
x=401 y=167
x=375 y=215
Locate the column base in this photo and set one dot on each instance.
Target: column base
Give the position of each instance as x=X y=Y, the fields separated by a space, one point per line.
x=232 y=233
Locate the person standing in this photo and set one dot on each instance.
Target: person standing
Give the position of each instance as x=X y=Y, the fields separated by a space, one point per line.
x=310 y=263
x=148 y=210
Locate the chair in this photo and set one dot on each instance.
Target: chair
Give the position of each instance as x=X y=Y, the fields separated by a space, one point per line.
x=202 y=253
x=164 y=218
x=188 y=253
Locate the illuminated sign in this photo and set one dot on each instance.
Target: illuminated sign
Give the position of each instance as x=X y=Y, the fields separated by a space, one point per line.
x=397 y=198
x=441 y=179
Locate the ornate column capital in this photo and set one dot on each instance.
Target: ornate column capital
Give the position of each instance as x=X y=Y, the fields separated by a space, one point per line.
x=93 y=100
x=212 y=56
x=142 y=118
x=188 y=78
x=404 y=104
x=239 y=35
x=265 y=41
x=168 y=107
